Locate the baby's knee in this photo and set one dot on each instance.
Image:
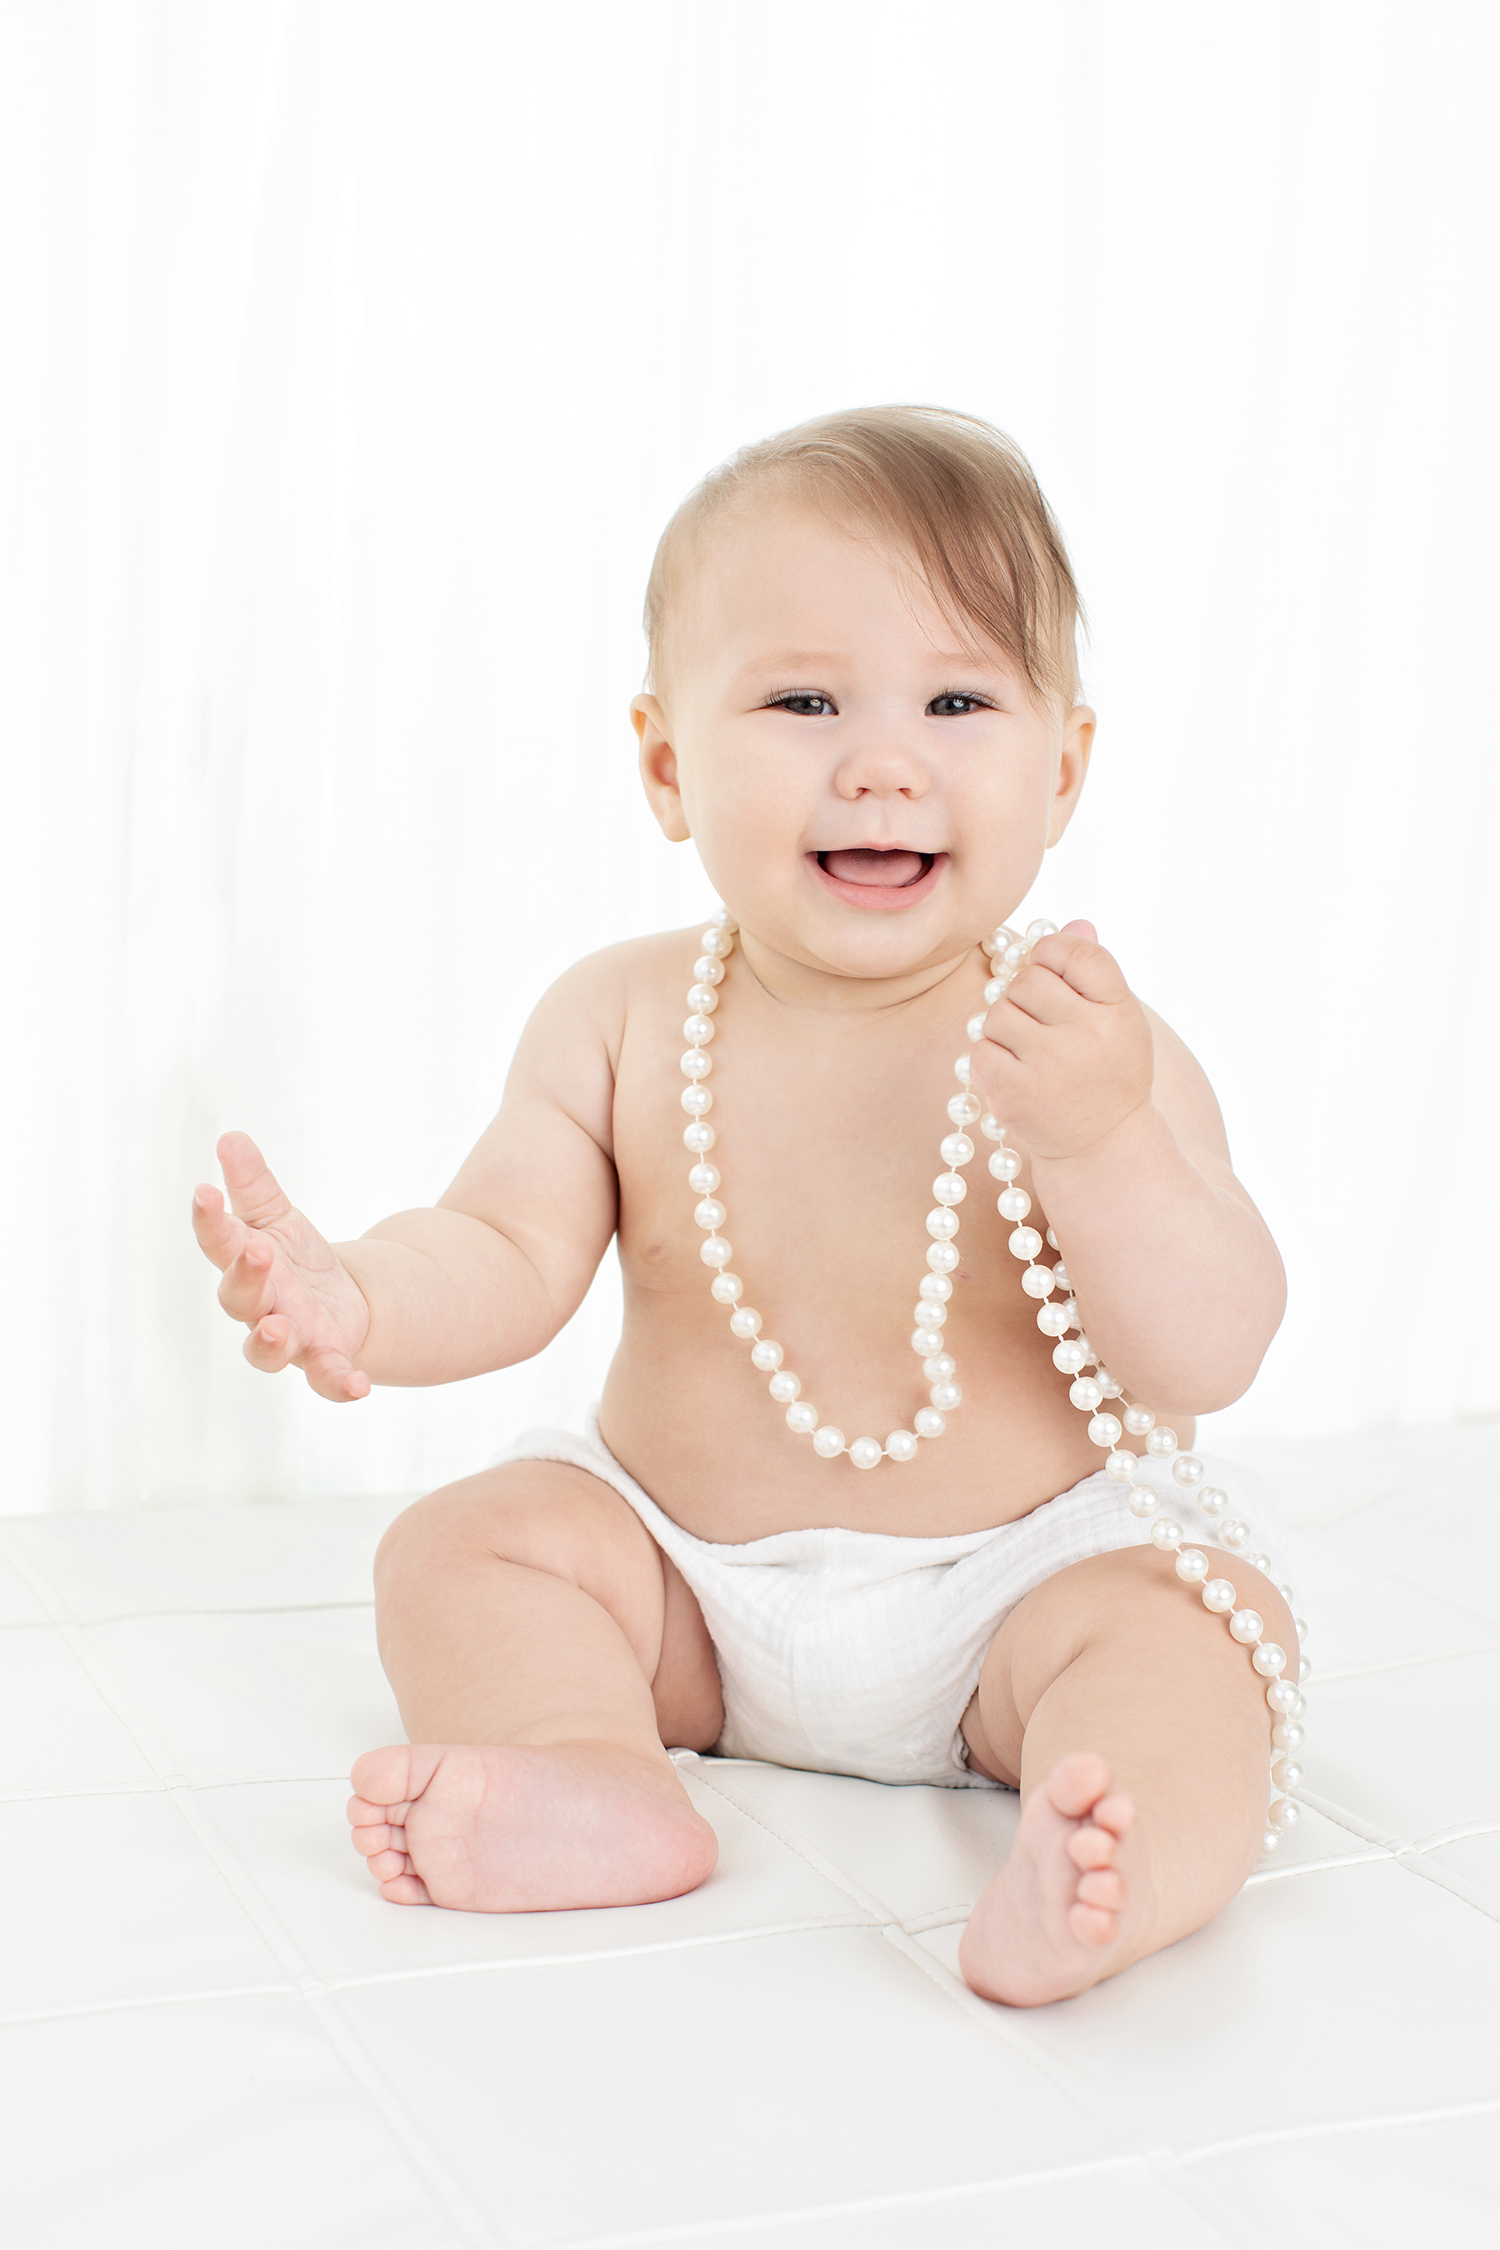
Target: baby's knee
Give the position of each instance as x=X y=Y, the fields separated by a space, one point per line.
x=541 y=1514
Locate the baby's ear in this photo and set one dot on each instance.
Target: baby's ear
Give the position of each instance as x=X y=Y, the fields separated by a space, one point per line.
x=659 y=768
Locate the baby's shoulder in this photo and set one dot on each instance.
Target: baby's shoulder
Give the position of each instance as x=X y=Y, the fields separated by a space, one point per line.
x=604 y=992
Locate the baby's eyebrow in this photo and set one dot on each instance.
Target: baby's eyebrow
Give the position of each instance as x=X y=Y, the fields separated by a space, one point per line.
x=791 y=660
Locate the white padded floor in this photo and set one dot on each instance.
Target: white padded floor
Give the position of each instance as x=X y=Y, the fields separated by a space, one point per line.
x=214 y=2031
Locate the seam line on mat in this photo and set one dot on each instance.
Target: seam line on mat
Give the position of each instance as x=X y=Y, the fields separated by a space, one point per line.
x=432 y=2172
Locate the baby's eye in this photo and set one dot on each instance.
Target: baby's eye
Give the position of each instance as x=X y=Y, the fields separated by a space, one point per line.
x=808 y=705
x=955 y=706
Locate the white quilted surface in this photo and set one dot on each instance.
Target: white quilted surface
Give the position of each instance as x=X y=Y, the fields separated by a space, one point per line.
x=214 y=2032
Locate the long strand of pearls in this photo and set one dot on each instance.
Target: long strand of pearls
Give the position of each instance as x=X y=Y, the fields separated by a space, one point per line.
x=1091 y=1393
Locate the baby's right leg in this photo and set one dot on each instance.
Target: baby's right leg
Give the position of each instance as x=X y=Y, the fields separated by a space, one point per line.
x=541 y=1647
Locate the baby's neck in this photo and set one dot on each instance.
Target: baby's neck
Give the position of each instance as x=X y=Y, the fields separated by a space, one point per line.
x=804 y=983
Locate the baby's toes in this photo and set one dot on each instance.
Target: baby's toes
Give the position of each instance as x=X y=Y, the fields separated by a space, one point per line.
x=406 y=1890
x=385 y=1864
x=379 y=1836
x=1093 y=1925
x=1115 y=1812
x=1102 y=1886
x=1089 y=1846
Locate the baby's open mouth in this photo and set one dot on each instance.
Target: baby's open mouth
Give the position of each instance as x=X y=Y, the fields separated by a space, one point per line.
x=884 y=870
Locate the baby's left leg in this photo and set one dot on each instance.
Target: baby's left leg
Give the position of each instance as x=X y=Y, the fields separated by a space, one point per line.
x=1141 y=1738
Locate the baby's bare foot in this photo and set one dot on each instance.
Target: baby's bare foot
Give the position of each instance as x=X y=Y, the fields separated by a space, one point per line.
x=517 y=1829
x=1053 y=1920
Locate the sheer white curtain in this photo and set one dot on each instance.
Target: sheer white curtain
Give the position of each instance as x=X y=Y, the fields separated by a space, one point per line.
x=357 y=351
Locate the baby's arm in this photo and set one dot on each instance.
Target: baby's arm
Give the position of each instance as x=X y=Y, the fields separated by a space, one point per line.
x=1180 y=1282
x=482 y=1280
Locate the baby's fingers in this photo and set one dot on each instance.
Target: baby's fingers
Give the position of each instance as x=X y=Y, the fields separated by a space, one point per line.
x=270 y=1344
x=245 y=1291
x=332 y=1376
x=219 y=1233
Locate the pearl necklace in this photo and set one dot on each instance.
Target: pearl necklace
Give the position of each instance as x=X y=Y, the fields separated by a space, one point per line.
x=1072 y=1353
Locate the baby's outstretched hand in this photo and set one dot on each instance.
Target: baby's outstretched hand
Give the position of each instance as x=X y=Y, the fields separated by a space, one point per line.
x=1066 y=1053
x=302 y=1307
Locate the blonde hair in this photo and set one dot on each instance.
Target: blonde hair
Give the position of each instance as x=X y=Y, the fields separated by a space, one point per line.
x=952 y=491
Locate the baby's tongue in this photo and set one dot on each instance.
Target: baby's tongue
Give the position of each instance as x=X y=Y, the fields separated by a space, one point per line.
x=890 y=869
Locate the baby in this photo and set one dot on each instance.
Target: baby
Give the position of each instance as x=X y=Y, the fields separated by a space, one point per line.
x=864 y=711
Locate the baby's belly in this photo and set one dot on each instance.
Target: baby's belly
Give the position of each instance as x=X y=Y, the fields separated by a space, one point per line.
x=690 y=1418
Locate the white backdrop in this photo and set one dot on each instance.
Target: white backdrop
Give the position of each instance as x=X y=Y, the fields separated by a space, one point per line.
x=357 y=352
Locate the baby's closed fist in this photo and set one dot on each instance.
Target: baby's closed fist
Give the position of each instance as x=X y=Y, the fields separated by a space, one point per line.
x=1066 y=1055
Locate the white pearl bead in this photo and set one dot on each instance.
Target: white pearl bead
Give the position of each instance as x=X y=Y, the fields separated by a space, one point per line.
x=1192 y=1564
x=702 y=999
x=1235 y=1536
x=939 y=1367
x=802 y=1418
x=942 y=1257
x=784 y=1386
x=706 y=970
x=927 y=1422
x=1085 y=1394
x=950 y=1187
x=1270 y=1842
x=1068 y=1358
x=744 y=1322
x=1259 y=1562
x=957 y=1148
x=865 y=1452
x=767 y=1356
x=716 y=1251
x=1304 y=1672
x=698 y=1030
x=995 y=990
x=1105 y=1429
x=1286 y=1773
x=1060 y=1276
x=696 y=1065
x=1036 y=930
x=710 y=1213
x=698 y=1138
x=1051 y=1320
x=963 y=1109
x=1106 y=1382
x=1219 y=1596
x=717 y=941
x=1269 y=1659
x=1015 y=954
x=998 y=939
x=1052 y=1241
x=1286 y=1594
x=726 y=1288
x=1165 y=1533
x=1014 y=1204
x=1121 y=1466
x=1299 y=1627
x=1138 y=1420
x=901 y=1445
x=1025 y=1243
x=1287 y=1735
x=961 y=1069
x=1037 y=1282
x=942 y=1224
x=829 y=1441
x=1211 y=1499
x=1297 y=1709
x=925 y=1341
x=1246 y=1625
x=1005 y=1163
x=945 y=1397
x=929 y=1315
x=1141 y=1500
x=936 y=1288
x=1070 y=1303
x=1187 y=1469
x=974 y=1028
x=1086 y=1348
x=1284 y=1814
x=991 y=1127
x=724 y=920
x=1161 y=1442
x=703 y=1179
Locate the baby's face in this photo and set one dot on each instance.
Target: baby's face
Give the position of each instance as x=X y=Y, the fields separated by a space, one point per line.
x=867 y=796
